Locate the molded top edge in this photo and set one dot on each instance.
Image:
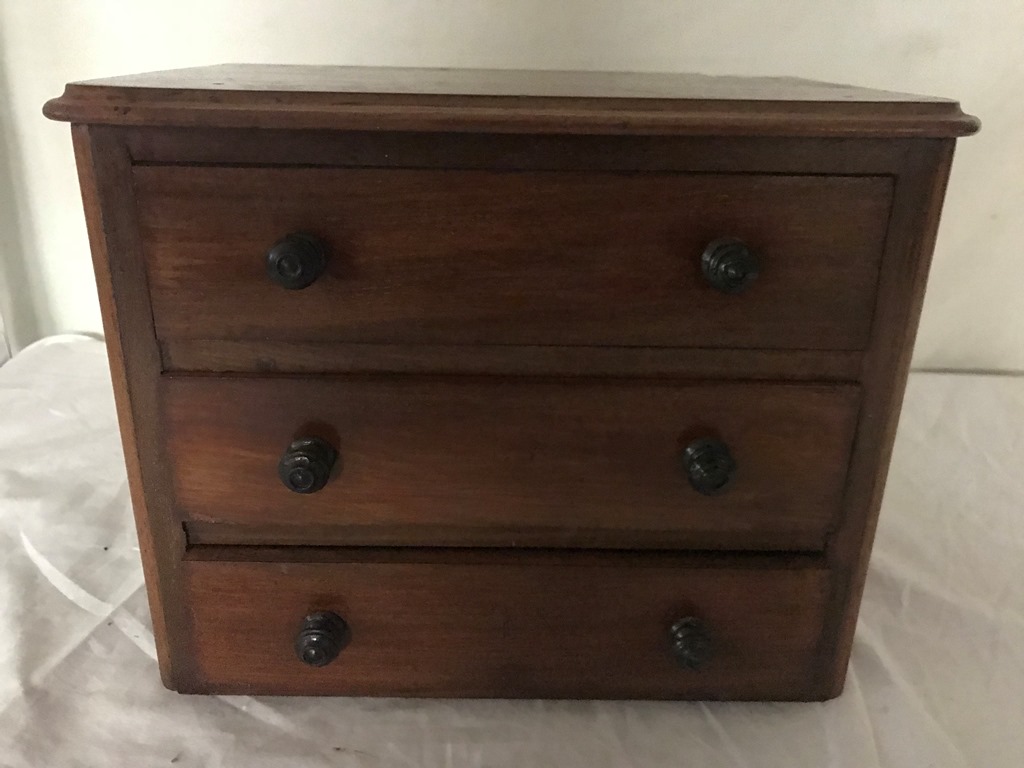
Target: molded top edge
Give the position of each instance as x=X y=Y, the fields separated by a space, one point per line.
x=514 y=101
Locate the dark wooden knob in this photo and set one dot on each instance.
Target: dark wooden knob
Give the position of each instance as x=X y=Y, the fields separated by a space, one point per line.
x=321 y=638
x=691 y=642
x=729 y=265
x=709 y=466
x=306 y=465
x=296 y=260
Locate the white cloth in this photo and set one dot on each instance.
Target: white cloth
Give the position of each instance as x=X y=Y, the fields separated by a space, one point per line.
x=938 y=664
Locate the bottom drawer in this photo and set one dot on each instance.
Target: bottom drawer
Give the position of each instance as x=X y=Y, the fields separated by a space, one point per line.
x=506 y=629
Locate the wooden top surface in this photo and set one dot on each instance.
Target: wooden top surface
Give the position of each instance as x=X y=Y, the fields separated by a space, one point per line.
x=520 y=101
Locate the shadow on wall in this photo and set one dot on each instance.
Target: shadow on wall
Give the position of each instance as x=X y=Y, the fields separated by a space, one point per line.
x=20 y=294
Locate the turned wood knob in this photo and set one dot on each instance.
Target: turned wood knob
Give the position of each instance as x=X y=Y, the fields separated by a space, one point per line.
x=691 y=642
x=709 y=466
x=729 y=265
x=306 y=465
x=321 y=638
x=296 y=260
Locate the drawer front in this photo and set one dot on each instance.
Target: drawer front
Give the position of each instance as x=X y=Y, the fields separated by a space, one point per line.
x=483 y=257
x=507 y=630
x=505 y=462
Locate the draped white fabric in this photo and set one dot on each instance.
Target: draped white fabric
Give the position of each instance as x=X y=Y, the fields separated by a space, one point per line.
x=5 y=345
x=938 y=667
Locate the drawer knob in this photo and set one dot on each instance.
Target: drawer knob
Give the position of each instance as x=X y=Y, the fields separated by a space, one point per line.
x=709 y=466
x=321 y=638
x=306 y=465
x=296 y=261
x=729 y=265
x=691 y=642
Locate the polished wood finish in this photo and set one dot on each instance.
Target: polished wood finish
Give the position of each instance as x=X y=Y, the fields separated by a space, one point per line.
x=457 y=461
x=475 y=257
x=512 y=346
x=462 y=629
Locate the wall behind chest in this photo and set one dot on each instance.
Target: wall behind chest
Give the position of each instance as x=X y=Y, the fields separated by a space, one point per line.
x=972 y=317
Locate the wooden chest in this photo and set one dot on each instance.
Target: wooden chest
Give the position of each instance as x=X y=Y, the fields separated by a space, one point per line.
x=454 y=383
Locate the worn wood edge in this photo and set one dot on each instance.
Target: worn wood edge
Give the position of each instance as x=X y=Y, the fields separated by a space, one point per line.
x=201 y=532
x=848 y=390
x=920 y=190
x=802 y=694
x=631 y=154
x=230 y=356
x=98 y=104
x=524 y=556
x=103 y=166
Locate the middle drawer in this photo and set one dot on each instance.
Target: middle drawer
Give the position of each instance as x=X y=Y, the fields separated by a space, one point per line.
x=508 y=462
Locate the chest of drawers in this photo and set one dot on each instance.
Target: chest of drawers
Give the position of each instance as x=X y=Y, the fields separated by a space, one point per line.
x=453 y=383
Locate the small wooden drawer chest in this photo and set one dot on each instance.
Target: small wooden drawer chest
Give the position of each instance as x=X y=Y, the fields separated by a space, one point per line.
x=493 y=383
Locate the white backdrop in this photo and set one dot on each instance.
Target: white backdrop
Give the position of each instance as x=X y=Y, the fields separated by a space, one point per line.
x=967 y=50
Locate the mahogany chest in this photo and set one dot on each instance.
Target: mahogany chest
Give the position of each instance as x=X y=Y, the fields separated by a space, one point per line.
x=510 y=384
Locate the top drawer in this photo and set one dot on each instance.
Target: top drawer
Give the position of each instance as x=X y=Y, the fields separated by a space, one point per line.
x=488 y=257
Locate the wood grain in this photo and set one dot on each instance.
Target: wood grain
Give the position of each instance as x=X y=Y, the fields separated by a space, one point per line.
x=504 y=101
x=103 y=168
x=477 y=629
x=460 y=461
x=467 y=257
x=920 y=190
